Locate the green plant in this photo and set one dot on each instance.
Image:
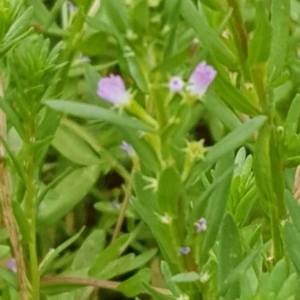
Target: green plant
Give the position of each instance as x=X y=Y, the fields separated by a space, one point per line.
x=149 y=147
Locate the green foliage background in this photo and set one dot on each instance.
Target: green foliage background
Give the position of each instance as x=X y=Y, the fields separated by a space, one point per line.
x=91 y=219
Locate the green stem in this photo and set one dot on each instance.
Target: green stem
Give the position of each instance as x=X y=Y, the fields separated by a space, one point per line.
x=160 y=102
x=123 y=210
x=270 y=183
x=31 y=211
x=240 y=37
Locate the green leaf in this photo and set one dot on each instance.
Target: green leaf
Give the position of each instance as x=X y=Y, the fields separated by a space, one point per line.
x=229 y=253
x=140 y=16
x=9 y=277
x=259 y=45
x=156 y=294
x=201 y=203
x=18 y=30
x=148 y=158
x=73 y=147
x=240 y=269
x=234 y=97
x=169 y=191
x=289 y=289
x=221 y=111
x=292 y=242
x=186 y=277
x=89 y=111
x=145 y=204
x=112 y=252
x=196 y=19
x=135 y=67
x=4 y=251
x=22 y=221
x=117 y=13
x=262 y=163
x=292 y=120
x=89 y=249
x=135 y=284
x=216 y=205
x=171 y=11
x=67 y=194
x=279 y=276
x=54 y=253
x=19 y=26
x=41 y=13
x=243 y=189
x=246 y=203
x=123 y=265
x=17 y=164
x=280 y=23
x=293 y=209
x=168 y=278
x=268 y=173
x=234 y=139
x=13 y=117
x=213 y=4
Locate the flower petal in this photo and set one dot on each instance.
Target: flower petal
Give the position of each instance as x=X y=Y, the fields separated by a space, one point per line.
x=201 y=79
x=112 y=89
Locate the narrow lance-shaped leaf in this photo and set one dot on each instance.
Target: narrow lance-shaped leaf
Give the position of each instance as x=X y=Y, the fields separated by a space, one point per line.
x=292 y=242
x=196 y=19
x=135 y=285
x=66 y=195
x=216 y=205
x=230 y=142
x=89 y=111
x=280 y=20
x=235 y=139
x=229 y=253
x=169 y=191
x=259 y=46
x=292 y=119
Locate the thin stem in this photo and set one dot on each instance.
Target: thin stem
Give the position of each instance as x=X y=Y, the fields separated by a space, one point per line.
x=8 y=215
x=104 y=284
x=125 y=203
x=123 y=210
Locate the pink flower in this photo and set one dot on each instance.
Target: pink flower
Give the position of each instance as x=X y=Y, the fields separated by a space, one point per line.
x=176 y=84
x=113 y=90
x=201 y=79
x=11 y=264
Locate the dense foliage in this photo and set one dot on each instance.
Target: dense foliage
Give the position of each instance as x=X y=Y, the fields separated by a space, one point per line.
x=149 y=149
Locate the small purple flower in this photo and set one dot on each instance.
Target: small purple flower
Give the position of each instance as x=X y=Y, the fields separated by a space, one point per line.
x=112 y=89
x=201 y=225
x=11 y=264
x=185 y=250
x=176 y=84
x=201 y=79
x=127 y=148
